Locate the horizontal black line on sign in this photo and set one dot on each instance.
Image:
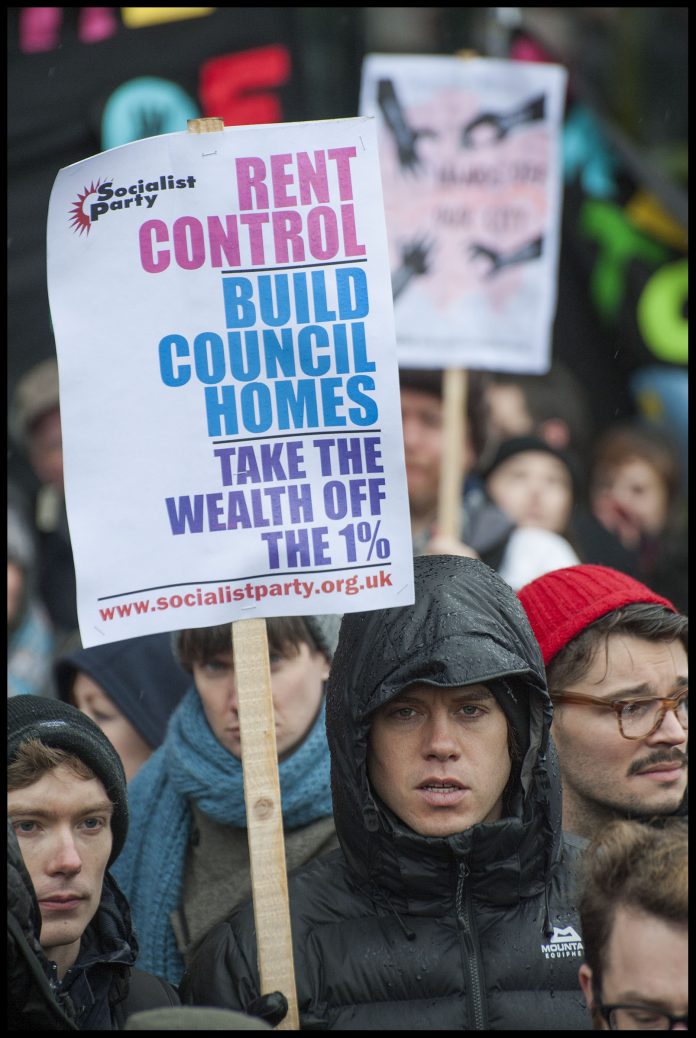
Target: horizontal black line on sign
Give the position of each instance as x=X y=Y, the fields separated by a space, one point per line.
x=297 y=266
x=294 y=436
x=236 y=580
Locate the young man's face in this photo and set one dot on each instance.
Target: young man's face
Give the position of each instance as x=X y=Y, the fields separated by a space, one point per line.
x=438 y=757
x=63 y=827
x=297 y=684
x=646 y=967
x=603 y=773
x=534 y=489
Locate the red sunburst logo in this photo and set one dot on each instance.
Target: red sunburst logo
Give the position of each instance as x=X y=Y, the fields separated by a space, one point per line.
x=78 y=217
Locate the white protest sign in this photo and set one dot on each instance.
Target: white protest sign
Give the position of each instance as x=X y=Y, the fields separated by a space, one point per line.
x=470 y=158
x=228 y=377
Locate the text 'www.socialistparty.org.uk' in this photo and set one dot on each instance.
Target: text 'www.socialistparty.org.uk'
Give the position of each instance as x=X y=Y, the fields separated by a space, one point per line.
x=225 y=593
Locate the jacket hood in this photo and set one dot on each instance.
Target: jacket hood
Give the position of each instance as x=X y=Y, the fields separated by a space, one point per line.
x=466 y=627
x=139 y=675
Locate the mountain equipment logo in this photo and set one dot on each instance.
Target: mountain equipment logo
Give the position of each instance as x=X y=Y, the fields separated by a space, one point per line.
x=565 y=944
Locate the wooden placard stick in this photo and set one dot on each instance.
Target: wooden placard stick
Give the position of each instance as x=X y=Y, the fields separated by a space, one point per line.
x=454 y=392
x=454 y=435
x=269 y=883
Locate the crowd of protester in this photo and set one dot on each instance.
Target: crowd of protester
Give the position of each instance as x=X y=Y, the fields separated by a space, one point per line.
x=483 y=794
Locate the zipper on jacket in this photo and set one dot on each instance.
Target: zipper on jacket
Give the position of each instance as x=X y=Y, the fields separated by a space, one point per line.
x=465 y=920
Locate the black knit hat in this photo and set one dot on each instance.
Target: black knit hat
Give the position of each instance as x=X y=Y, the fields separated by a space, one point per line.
x=64 y=727
x=519 y=444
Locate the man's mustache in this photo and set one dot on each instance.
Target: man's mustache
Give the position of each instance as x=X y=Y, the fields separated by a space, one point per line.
x=659 y=757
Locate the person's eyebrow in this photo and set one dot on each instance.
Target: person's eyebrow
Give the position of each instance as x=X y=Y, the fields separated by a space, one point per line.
x=102 y=807
x=647 y=691
x=641 y=999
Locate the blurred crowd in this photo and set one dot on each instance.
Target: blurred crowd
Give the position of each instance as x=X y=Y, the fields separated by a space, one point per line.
x=541 y=489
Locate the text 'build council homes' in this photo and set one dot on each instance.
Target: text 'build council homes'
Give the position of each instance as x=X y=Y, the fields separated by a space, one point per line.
x=293 y=357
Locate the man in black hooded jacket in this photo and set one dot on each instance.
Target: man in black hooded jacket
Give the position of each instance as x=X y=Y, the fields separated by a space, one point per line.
x=451 y=903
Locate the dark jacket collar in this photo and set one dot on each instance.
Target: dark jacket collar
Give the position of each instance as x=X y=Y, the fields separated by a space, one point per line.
x=99 y=977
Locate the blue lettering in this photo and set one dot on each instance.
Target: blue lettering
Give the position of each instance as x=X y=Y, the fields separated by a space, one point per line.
x=239 y=310
x=346 y=277
x=209 y=358
x=174 y=344
x=183 y=515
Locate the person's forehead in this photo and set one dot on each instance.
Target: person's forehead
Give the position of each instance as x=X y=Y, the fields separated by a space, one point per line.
x=627 y=661
x=532 y=459
x=62 y=790
x=84 y=682
x=420 y=398
x=646 y=955
x=427 y=691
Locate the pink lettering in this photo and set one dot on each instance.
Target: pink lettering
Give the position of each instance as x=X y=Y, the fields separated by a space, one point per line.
x=223 y=240
x=150 y=232
x=280 y=179
x=342 y=157
x=322 y=232
x=312 y=178
x=251 y=174
x=189 y=243
x=350 y=237
x=287 y=231
x=255 y=221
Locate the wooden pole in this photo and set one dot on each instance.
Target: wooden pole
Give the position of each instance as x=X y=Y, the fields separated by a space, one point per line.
x=454 y=392
x=454 y=435
x=269 y=883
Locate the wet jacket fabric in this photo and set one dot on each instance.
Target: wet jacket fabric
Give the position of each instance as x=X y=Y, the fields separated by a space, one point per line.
x=100 y=990
x=399 y=931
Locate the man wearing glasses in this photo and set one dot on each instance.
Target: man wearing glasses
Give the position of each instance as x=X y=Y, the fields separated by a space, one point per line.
x=617 y=671
x=634 y=921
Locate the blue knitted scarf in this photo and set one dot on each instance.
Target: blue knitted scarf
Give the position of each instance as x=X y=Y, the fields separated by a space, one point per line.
x=192 y=765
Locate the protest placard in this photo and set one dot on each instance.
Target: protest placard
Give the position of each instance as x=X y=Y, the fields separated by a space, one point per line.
x=470 y=158
x=229 y=390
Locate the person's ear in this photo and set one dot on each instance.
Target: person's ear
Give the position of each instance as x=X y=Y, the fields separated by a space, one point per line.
x=585 y=978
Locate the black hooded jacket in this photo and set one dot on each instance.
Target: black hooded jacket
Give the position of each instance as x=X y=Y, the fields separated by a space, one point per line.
x=398 y=931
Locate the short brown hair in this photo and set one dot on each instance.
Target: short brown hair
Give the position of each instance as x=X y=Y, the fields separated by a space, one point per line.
x=631 y=865
x=201 y=644
x=653 y=623
x=34 y=759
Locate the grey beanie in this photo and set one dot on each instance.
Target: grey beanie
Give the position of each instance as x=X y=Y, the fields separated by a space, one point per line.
x=324 y=630
x=64 y=727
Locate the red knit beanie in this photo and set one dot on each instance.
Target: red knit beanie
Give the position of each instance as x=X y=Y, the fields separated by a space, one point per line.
x=562 y=603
